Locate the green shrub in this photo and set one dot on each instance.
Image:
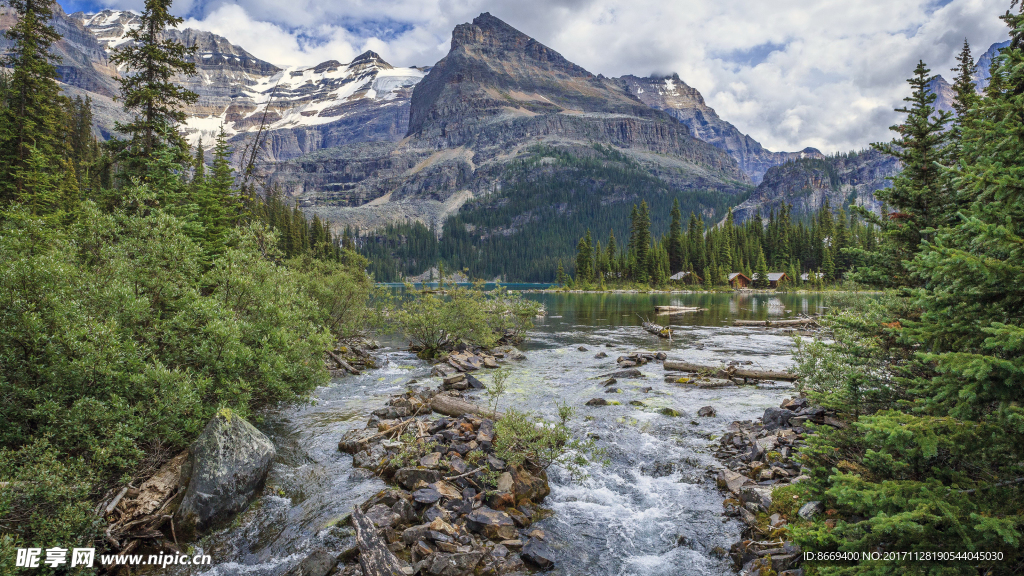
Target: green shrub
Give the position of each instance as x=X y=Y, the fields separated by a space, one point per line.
x=114 y=345
x=521 y=437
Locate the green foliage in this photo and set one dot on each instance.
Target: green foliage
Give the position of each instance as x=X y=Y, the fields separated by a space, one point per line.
x=521 y=437
x=496 y=389
x=436 y=323
x=114 y=342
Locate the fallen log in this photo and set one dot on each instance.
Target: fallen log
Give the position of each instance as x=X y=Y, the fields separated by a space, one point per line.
x=676 y=309
x=456 y=407
x=343 y=364
x=730 y=371
x=374 y=556
x=793 y=322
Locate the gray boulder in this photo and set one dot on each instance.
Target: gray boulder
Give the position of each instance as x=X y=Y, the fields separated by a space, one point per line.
x=226 y=466
x=775 y=418
x=809 y=510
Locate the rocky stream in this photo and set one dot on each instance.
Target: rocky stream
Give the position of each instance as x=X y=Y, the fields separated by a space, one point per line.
x=686 y=462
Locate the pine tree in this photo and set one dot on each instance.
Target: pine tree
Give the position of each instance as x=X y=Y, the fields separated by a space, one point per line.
x=965 y=97
x=761 y=274
x=560 y=278
x=32 y=119
x=149 y=92
x=695 y=237
x=199 y=166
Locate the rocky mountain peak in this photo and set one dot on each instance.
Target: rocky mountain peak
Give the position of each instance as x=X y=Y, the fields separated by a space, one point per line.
x=368 y=60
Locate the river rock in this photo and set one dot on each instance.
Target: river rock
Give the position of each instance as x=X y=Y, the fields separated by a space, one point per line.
x=319 y=563
x=491 y=523
x=356 y=440
x=732 y=481
x=410 y=477
x=531 y=486
x=631 y=373
x=431 y=460
x=671 y=412
x=490 y=362
x=608 y=382
x=775 y=418
x=453 y=564
x=597 y=402
x=539 y=554
x=455 y=379
x=474 y=382
x=426 y=495
x=600 y=355
x=382 y=516
x=224 y=469
x=807 y=511
x=370 y=458
x=707 y=411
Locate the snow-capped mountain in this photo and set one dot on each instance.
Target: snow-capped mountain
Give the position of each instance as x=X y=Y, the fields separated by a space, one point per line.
x=239 y=91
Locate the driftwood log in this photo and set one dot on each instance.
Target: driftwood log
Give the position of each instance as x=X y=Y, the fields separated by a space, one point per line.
x=374 y=556
x=793 y=322
x=730 y=371
x=341 y=362
x=657 y=329
x=457 y=407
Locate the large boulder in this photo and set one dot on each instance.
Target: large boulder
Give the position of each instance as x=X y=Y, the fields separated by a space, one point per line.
x=775 y=418
x=530 y=486
x=225 y=468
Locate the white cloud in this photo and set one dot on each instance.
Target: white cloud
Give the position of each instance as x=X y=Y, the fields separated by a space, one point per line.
x=791 y=73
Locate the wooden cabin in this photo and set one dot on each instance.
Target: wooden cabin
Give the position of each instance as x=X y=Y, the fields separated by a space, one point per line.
x=739 y=280
x=809 y=276
x=776 y=278
x=686 y=278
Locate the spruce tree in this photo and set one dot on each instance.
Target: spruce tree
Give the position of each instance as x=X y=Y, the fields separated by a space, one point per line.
x=583 y=260
x=612 y=248
x=150 y=94
x=919 y=198
x=33 y=148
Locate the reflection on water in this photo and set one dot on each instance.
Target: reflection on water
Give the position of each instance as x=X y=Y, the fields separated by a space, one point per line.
x=628 y=518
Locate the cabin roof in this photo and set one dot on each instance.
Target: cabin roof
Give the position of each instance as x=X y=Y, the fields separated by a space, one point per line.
x=681 y=275
x=776 y=276
x=735 y=274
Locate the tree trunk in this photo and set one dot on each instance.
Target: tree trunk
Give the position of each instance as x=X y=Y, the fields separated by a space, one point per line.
x=343 y=364
x=374 y=556
x=731 y=371
x=456 y=407
x=796 y=322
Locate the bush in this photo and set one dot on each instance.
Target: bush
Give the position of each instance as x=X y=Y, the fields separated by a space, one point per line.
x=520 y=437
x=437 y=323
x=115 y=347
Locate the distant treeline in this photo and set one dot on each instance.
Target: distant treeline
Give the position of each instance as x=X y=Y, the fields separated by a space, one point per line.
x=548 y=201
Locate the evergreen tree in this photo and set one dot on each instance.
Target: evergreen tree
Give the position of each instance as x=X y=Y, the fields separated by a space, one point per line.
x=761 y=274
x=695 y=237
x=919 y=197
x=612 y=248
x=584 y=259
x=675 y=239
x=828 y=267
x=150 y=94
x=32 y=120
x=965 y=97
x=560 y=279
x=199 y=166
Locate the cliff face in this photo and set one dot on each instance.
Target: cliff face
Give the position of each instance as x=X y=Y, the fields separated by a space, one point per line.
x=684 y=103
x=807 y=183
x=497 y=95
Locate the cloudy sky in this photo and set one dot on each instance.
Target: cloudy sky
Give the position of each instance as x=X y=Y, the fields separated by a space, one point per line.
x=791 y=73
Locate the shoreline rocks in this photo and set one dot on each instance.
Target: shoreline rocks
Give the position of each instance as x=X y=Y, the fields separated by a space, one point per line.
x=759 y=456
